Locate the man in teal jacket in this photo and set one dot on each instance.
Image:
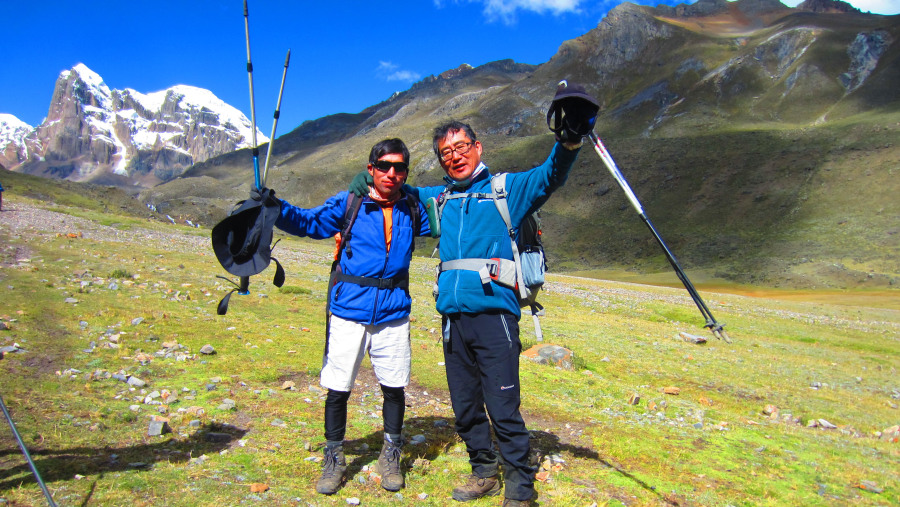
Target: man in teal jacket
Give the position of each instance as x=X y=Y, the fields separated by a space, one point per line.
x=369 y=302
x=480 y=316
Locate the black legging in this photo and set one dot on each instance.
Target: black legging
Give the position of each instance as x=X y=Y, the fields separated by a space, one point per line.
x=393 y=410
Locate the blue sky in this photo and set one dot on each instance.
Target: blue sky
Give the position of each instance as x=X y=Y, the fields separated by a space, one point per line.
x=345 y=55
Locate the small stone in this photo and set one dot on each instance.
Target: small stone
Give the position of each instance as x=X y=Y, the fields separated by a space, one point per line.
x=207 y=350
x=422 y=496
x=827 y=425
x=136 y=382
x=158 y=428
x=870 y=487
x=137 y=321
x=258 y=487
x=417 y=439
x=634 y=399
x=70 y=301
x=288 y=384
x=672 y=390
x=353 y=501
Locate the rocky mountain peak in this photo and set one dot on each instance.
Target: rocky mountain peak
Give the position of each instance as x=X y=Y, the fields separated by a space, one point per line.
x=126 y=137
x=826 y=6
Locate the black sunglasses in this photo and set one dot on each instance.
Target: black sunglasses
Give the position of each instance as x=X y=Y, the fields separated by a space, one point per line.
x=385 y=166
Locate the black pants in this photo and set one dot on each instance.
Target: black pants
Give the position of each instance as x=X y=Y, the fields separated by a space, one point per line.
x=482 y=362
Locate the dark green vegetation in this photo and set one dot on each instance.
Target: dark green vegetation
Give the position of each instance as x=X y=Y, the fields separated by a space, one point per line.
x=717 y=442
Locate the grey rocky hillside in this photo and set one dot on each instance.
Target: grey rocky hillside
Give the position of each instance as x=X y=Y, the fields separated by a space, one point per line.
x=761 y=139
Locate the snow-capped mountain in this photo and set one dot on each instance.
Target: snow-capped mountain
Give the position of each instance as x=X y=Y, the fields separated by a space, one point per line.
x=125 y=137
x=12 y=138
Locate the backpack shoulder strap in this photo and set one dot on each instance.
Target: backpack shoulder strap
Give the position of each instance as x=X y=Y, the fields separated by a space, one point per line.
x=498 y=189
x=354 y=202
x=413 y=203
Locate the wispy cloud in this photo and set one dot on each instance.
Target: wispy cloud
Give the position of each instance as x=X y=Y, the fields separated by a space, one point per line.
x=392 y=72
x=506 y=11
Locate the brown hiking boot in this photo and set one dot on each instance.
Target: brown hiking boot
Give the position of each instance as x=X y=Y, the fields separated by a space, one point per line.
x=388 y=466
x=477 y=487
x=333 y=467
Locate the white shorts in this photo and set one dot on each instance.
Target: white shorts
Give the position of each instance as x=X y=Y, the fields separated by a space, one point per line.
x=388 y=347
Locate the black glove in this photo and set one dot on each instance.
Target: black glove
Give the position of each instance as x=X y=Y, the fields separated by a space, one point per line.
x=265 y=196
x=361 y=183
x=572 y=113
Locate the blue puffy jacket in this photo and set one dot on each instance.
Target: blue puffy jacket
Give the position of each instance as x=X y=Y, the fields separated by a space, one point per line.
x=473 y=228
x=369 y=257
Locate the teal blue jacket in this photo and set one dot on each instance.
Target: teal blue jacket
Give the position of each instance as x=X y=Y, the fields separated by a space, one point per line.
x=473 y=228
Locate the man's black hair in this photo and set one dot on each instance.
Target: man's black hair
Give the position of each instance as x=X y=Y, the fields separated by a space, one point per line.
x=448 y=128
x=389 y=146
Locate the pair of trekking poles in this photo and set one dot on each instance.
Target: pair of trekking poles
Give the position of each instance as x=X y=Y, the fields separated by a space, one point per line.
x=260 y=182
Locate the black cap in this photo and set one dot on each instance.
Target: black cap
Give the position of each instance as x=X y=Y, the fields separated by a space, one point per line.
x=243 y=240
x=567 y=89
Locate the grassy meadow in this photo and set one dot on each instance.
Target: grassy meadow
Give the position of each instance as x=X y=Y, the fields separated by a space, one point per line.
x=793 y=412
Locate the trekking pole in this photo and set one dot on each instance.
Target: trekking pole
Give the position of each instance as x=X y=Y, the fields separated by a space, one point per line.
x=287 y=60
x=252 y=105
x=34 y=470
x=716 y=328
x=245 y=280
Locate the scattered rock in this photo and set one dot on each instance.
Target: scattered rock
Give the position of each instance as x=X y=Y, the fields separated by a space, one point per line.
x=672 y=390
x=137 y=321
x=136 y=382
x=207 y=350
x=158 y=428
x=699 y=340
x=288 y=384
x=870 y=486
x=258 y=487
x=634 y=399
x=227 y=404
x=551 y=354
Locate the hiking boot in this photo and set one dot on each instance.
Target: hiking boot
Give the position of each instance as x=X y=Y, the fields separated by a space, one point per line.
x=333 y=468
x=388 y=467
x=477 y=487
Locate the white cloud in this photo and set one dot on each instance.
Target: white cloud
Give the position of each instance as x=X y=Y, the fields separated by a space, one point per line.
x=392 y=72
x=506 y=10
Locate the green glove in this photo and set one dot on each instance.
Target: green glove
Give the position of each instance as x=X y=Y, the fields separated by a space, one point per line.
x=361 y=183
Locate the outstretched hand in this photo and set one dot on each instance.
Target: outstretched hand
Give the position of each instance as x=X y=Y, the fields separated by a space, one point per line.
x=360 y=184
x=572 y=113
x=265 y=196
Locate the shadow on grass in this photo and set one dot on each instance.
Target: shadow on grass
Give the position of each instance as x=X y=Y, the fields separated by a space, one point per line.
x=439 y=438
x=544 y=443
x=64 y=464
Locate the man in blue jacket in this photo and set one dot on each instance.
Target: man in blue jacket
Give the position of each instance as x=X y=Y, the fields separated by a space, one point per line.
x=480 y=316
x=369 y=302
